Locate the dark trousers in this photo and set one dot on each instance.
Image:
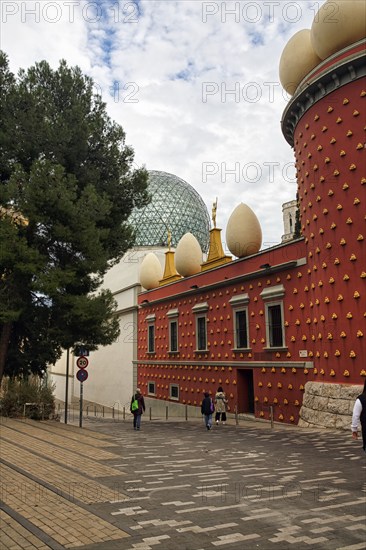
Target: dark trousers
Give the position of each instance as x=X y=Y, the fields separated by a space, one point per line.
x=223 y=416
x=136 y=421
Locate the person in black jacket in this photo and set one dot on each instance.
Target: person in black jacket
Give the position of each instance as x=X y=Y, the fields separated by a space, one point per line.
x=359 y=415
x=207 y=408
x=137 y=413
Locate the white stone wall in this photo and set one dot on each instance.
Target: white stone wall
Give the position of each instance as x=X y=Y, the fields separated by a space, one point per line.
x=328 y=405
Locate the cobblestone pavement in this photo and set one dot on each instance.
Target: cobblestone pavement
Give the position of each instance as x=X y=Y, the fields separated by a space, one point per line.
x=174 y=485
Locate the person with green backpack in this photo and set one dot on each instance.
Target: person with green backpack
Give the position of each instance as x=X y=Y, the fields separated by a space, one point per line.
x=137 y=408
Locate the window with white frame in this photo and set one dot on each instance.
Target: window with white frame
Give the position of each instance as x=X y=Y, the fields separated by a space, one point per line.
x=201 y=325
x=173 y=336
x=275 y=328
x=150 y=319
x=151 y=388
x=240 y=320
x=274 y=317
x=241 y=328
x=173 y=330
x=174 y=391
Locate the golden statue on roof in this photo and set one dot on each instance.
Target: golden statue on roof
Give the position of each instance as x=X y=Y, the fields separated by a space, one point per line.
x=214 y=210
x=169 y=239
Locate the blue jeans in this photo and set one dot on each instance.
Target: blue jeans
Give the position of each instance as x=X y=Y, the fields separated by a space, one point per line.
x=137 y=421
x=208 y=420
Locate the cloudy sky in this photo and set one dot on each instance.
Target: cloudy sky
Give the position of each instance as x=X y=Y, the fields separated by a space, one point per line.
x=194 y=84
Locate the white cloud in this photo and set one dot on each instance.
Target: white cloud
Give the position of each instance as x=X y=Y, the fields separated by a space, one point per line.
x=196 y=87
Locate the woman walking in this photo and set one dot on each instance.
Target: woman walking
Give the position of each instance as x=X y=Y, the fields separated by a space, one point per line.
x=137 y=408
x=220 y=406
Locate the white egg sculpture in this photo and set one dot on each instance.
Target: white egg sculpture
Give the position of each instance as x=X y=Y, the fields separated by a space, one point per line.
x=243 y=232
x=297 y=60
x=188 y=256
x=151 y=271
x=338 y=23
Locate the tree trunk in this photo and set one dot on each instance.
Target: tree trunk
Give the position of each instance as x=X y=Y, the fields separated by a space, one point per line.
x=4 y=344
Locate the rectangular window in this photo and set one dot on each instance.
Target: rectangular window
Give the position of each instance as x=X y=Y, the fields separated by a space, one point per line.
x=275 y=329
x=151 y=388
x=275 y=337
x=201 y=339
x=241 y=329
x=151 y=338
x=174 y=391
x=173 y=333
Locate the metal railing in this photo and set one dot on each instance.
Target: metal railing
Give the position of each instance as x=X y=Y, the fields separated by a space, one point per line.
x=119 y=413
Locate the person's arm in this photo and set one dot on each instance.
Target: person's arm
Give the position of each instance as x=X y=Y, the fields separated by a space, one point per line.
x=143 y=403
x=357 y=409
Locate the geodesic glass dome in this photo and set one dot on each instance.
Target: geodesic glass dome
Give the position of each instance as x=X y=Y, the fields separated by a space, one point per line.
x=174 y=206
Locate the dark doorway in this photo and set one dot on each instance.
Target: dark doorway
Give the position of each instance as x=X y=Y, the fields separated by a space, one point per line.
x=245 y=388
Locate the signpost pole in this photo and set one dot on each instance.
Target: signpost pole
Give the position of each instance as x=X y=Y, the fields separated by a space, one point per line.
x=82 y=375
x=67 y=382
x=81 y=406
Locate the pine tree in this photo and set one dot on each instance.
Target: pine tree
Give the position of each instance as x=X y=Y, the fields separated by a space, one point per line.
x=67 y=188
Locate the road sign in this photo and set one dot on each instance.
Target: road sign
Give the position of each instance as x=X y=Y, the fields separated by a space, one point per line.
x=82 y=375
x=82 y=362
x=81 y=350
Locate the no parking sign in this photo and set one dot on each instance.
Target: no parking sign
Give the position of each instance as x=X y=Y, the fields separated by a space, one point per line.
x=82 y=375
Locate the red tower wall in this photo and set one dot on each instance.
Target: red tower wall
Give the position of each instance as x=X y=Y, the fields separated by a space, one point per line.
x=331 y=166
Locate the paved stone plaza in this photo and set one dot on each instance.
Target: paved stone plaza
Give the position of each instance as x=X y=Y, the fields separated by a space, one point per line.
x=175 y=486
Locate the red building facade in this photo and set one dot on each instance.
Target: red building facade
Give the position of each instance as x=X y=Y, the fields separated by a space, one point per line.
x=264 y=325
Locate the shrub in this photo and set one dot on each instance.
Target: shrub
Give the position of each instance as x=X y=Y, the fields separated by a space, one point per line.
x=17 y=392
